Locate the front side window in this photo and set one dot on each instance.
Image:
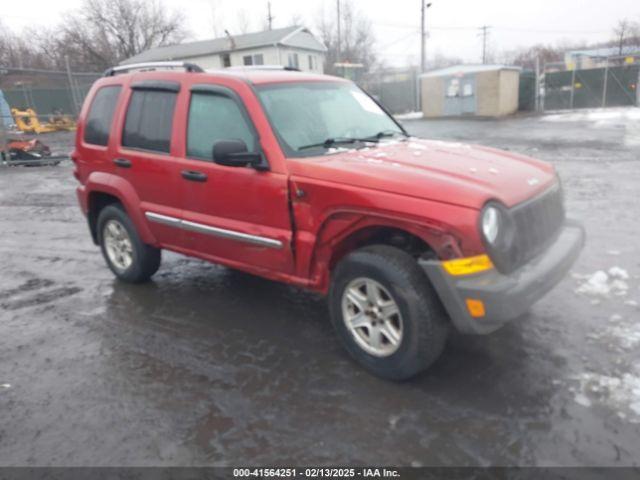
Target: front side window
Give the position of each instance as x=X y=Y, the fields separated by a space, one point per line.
x=309 y=113
x=214 y=117
x=98 y=123
x=149 y=120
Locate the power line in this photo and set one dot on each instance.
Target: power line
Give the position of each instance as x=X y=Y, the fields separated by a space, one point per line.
x=506 y=29
x=398 y=40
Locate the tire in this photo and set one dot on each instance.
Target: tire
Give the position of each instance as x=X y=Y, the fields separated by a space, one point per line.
x=420 y=327
x=144 y=260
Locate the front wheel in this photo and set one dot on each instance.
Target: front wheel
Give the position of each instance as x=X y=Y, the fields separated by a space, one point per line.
x=386 y=312
x=127 y=256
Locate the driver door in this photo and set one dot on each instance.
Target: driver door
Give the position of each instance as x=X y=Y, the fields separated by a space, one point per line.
x=234 y=215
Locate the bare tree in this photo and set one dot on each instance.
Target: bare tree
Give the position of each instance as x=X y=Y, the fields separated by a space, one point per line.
x=626 y=34
x=243 y=21
x=105 y=32
x=19 y=51
x=356 y=37
x=526 y=57
x=621 y=31
x=215 y=21
x=441 y=61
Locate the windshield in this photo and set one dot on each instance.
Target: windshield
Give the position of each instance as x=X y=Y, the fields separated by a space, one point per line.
x=314 y=116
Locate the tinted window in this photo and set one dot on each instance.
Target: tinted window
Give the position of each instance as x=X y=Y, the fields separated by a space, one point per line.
x=149 y=120
x=98 y=124
x=215 y=117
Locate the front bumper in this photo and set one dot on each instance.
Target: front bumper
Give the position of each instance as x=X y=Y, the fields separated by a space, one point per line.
x=505 y=297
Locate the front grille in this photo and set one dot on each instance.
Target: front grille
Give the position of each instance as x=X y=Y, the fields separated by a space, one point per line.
x=536 y=222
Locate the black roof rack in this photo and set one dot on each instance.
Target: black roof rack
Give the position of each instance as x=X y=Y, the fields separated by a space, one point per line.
x=149 y=66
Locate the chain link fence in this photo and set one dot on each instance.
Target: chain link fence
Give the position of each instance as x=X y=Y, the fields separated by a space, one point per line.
x=47 y=92
x=396 y=89
x=610 y=82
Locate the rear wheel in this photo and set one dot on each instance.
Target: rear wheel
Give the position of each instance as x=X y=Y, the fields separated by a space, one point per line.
x=127 y=256
x=386 y=312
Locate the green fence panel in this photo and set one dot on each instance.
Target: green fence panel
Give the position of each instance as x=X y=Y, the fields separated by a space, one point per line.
x=44 y=101
x=527 y=91
x=588 y=88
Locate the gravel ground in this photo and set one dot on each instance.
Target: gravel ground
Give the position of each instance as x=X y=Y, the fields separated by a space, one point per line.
x=208 y=366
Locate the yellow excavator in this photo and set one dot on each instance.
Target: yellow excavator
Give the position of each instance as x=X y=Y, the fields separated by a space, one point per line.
x=27 y=121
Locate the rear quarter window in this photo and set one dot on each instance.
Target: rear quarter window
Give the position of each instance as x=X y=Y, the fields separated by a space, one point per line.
x=98 y=123
x=149 y=120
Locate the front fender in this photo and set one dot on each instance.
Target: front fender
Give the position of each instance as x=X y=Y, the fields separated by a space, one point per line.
x=341 y=230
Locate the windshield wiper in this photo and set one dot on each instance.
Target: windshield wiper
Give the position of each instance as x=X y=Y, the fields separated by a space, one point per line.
x=329 y=142
x=385 y=134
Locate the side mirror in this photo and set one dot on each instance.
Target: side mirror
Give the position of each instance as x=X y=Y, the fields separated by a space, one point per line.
x=234 y=153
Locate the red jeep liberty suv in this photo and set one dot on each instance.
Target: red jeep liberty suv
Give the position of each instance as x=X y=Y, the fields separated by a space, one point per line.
x=307 y=180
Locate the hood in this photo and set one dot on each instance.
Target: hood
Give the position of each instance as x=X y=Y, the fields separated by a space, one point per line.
x=455 y=173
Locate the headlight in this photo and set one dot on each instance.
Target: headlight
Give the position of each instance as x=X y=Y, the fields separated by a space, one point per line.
x=491 y=224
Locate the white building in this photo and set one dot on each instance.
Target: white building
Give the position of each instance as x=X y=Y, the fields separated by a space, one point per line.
x=292 y=46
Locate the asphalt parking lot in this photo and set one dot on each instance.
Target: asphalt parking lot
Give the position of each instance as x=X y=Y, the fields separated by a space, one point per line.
x=208 y=366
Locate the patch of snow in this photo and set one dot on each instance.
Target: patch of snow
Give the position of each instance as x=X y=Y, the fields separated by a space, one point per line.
x=600 y=115
x=617 y=272
x=614 y=253
x=5 y=385
x=393 y=420
x=628 y=336
x=417 y=146
x=582 y=399
x=603 y=284
x=409 y=116
x=334 y=150
x=595 y=285
x=621 y=394
x=631 y=303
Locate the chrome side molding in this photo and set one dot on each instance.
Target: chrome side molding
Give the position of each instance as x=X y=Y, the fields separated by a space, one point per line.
x=213 y=231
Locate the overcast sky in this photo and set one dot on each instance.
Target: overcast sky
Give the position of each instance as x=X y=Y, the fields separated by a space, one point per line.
x=452 y=24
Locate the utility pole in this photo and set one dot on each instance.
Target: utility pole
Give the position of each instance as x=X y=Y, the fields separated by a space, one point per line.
x=269 y=16
x=338 y=53
x=423 y=35
x=485 y=35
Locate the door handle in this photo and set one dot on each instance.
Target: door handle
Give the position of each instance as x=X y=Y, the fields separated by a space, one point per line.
x=194 y=176
x=122 y=162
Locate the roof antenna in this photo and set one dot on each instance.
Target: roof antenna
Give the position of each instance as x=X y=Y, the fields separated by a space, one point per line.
x=231 y=40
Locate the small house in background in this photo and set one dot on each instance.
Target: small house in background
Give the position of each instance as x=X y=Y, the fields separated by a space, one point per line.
x=294 y=47
x=481 y=90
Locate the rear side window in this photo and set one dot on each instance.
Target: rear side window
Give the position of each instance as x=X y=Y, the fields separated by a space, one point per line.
x=215 y=117
x=149 y=120
x=98 y=123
